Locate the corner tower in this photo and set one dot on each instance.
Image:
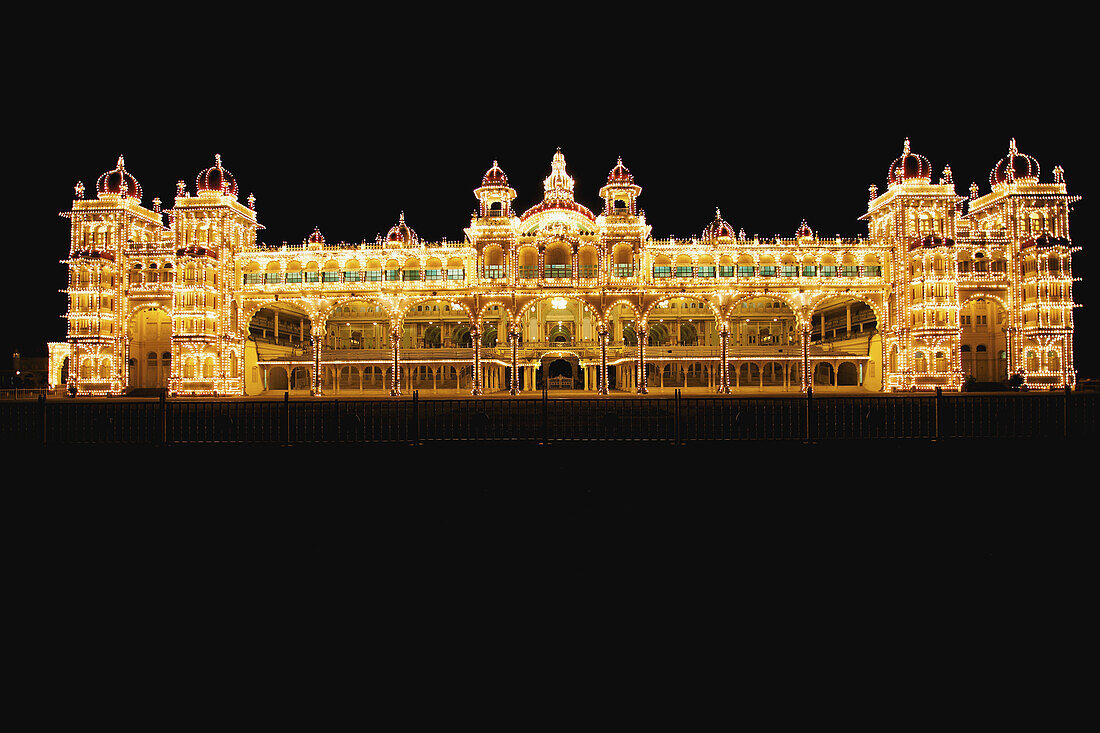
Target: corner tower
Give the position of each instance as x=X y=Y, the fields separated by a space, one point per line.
x=209 y=229
x=917 y=220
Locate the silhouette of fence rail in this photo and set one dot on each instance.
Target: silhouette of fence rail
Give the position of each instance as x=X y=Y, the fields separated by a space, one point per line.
x=675 y=419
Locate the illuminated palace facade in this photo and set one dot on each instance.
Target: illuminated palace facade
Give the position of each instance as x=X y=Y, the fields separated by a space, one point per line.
x=943 y=288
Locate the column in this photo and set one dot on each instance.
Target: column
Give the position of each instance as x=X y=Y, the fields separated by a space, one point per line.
x=807 y=378
x=395 y=347
x=848 y=315
x=602 y=378
x=724 y=366
x=642 y=332
x=475 y=388
x=513 y=341
x=315 y=339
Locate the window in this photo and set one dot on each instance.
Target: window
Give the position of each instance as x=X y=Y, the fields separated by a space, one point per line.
x=626 y=270
x=828 y=271
x=683 y=270
x=410 y=274
x=494 y=272
x=433 y=275
x=965 y=320
x=768 y=270
x=273 y=277
x=745 y=270
x=559 y=271
x=528 y=272
x=706 y=271
x=253 y=278
x=725 y=270
x=586 y=271
x=456 y=273
x=790 y=270
x=662 y=271
x=330 y=277
x=982 y=320
x=351 y=276
x=372 y=276
x=393 y=275
x=294 y=277
x=312 y=277
x=872 y=271
x=809 y=270
x=851 y=271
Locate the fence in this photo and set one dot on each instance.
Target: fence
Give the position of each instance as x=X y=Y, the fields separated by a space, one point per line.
x=674 y=419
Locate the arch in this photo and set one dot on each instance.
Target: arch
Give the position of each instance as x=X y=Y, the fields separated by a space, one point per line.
x=847 y=374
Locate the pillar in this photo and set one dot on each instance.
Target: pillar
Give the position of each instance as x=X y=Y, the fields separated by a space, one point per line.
x=724 y=366
x=395 y=348
x=602 y=377
x=476 y=388
x=315 y=339
x=643 y=333
x=807 y=378
x=513 y=341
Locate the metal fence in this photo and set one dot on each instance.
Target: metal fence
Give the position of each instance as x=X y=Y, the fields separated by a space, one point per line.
x=675 y=419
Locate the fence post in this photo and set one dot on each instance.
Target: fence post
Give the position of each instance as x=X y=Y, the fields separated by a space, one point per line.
x=1065 y=413
x=286 y=417
x=416 y=417
x=809 y=414
x=162 y=405
x=675 y=420
x=42 y=414
x=545 y=407
x=939 y=394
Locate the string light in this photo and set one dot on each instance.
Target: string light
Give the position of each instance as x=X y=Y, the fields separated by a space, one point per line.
x=912 y=273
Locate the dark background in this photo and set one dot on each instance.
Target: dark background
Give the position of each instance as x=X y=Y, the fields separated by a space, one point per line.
x=344 y=131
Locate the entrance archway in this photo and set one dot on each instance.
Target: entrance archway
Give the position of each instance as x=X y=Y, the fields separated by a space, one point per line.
x=150 y=363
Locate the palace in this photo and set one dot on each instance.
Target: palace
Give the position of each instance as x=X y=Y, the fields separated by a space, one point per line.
x=943 y=288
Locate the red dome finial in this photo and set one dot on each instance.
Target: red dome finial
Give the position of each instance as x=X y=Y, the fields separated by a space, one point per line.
x=620 y=173
x=804 y=231
x=118 y=182
x=494 y=176
x=910 y=167
x=1014 y=167
x=216 y=179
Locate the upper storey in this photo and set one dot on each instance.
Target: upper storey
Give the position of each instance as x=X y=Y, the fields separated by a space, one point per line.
x=916 y=212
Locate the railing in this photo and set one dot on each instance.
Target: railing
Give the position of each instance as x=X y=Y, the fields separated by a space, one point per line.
x=537 y=418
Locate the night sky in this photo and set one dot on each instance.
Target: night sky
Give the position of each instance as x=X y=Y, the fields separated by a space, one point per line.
x=345 y=140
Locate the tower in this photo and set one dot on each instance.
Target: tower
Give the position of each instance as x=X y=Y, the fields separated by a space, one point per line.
x=1029 y=221
x=492 y=228
x=622 y=229
x=103 y=230
x=917 y=219
x=209 y=229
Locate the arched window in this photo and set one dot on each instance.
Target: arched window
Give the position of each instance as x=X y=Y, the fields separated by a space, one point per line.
x=920 y=364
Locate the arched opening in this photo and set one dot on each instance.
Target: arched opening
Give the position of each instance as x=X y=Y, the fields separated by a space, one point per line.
x=558 y=261
x=276 y=332
x=763 y=321
x=983 y=324
x=150 y=332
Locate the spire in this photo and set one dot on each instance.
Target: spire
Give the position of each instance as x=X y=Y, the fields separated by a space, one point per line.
x=559 y=184
x=905 y=148
x=946 y=176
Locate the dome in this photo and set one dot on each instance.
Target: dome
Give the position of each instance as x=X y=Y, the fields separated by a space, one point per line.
x=118 y=182
x=1015 y=166
x=718 y=228
x=402 y=233
x=620 y=174
x=909 y=167
x=804 y=231
x=217 y=180
x=316 y=237
x=494 y=177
